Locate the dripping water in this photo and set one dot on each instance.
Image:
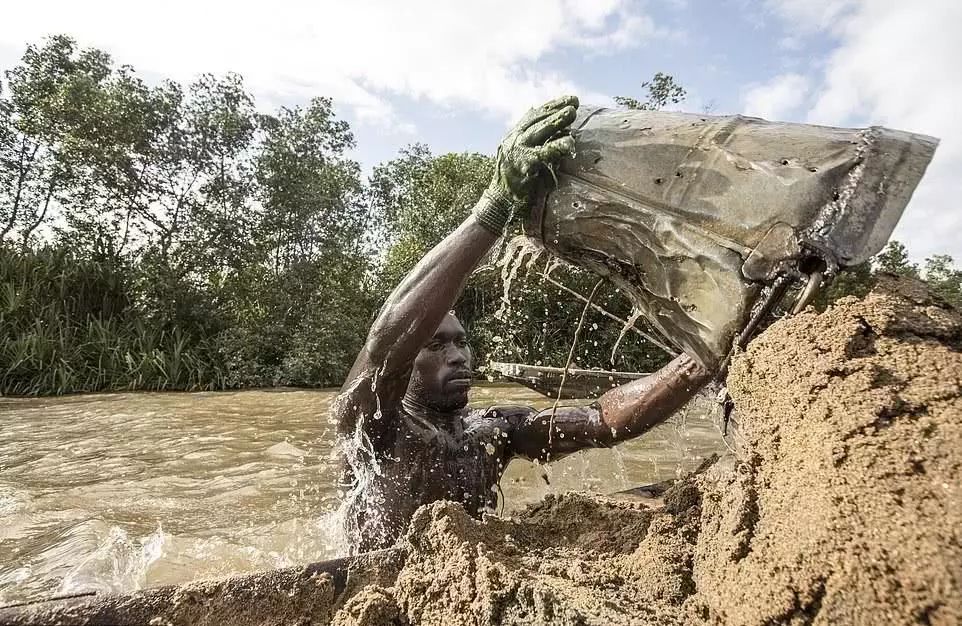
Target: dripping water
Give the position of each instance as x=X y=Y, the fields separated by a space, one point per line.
x=629 y=324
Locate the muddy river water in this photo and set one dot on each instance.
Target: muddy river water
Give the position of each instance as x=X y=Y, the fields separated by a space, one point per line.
x=114 y=492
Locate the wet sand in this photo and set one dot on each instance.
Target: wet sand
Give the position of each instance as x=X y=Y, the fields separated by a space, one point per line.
x=843 y=505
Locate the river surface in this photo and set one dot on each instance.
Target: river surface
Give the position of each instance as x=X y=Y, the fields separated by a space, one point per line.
x=115 y=492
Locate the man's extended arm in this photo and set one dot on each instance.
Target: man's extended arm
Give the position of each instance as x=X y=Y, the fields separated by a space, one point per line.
x=416 y=307
x=622 y=413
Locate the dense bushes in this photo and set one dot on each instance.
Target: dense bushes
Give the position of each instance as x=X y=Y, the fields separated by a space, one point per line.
x=72 y=324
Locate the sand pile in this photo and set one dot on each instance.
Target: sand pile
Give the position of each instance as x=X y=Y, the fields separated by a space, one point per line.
x=844 y=506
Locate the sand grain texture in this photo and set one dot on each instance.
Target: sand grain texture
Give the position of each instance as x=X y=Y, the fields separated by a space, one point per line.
x=843 y=507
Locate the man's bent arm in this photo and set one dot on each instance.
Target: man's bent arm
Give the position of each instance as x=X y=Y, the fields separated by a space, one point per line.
x=413 y=311
x=620 y=414
x=416 y=307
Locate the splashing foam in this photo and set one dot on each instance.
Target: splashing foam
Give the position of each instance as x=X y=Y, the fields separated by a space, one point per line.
x=516 y=251
x=119 y=563
x=359 y=455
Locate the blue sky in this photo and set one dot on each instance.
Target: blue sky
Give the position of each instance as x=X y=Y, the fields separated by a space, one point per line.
x=717 y=50
x=455 y=74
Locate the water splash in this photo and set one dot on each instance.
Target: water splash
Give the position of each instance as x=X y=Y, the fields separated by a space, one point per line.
x=621 y=471
x=364 y=469
x=119 y=563
x=568 y=361
x=629 y=324
x=516 y=251
x=687 y=430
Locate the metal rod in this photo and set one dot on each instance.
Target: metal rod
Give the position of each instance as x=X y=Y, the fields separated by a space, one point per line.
x=811 y=288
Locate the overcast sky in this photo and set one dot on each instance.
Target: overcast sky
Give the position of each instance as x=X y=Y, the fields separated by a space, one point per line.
x=454 y=74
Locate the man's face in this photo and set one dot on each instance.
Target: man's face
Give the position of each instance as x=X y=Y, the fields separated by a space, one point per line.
x=441 y=376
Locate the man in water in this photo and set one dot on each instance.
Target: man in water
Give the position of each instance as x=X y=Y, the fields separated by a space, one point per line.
x=411 y=439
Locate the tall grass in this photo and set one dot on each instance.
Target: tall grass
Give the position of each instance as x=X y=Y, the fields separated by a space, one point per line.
x=69 y=325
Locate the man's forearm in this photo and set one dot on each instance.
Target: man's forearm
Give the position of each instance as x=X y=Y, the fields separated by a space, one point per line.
x=418 y=304
x=622 y=413
x=630 y=410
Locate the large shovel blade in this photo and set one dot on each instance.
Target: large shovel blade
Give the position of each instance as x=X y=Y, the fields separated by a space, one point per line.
x=694 y=216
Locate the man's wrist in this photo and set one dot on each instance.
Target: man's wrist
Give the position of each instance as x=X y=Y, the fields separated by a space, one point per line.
x=691 y=374
x=494 y=209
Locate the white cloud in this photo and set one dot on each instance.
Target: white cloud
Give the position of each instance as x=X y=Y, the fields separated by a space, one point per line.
x=489 y=56
x=897 y=64
x=779 y=98
x=790 y=43
x=811 y=14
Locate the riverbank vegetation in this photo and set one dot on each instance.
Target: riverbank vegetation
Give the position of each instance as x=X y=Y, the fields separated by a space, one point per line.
x=177 y=237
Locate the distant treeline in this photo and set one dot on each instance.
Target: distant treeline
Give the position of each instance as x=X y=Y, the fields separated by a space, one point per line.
x=175 y=237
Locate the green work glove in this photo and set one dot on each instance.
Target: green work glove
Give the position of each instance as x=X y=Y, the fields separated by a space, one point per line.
x=527 y=154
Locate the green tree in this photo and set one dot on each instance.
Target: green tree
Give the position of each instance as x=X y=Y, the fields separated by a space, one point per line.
x=237 y=238
x=944 y=278
x=299 y=316
x=38 y=113
x=662 y=90
x=894 y=259
x=311 y=195
x=418 y=198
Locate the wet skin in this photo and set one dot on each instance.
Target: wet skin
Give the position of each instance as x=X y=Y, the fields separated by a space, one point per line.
x=441 y=376
x=403 y=405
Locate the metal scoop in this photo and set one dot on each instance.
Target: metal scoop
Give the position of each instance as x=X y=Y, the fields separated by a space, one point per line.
x=705 y=221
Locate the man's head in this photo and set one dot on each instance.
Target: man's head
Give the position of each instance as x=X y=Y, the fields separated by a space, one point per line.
x=441 y=376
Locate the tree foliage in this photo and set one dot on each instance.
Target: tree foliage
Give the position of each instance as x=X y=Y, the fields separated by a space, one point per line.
x=662 y=90
x=418 y=198
x=174 y=236
x=946 y=281
x=894 y=259
x=237 y=236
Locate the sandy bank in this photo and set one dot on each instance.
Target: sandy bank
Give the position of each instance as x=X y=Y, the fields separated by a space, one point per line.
x=843 y=506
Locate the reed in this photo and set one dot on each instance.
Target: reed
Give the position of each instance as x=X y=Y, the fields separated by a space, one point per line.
x=71 y=325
